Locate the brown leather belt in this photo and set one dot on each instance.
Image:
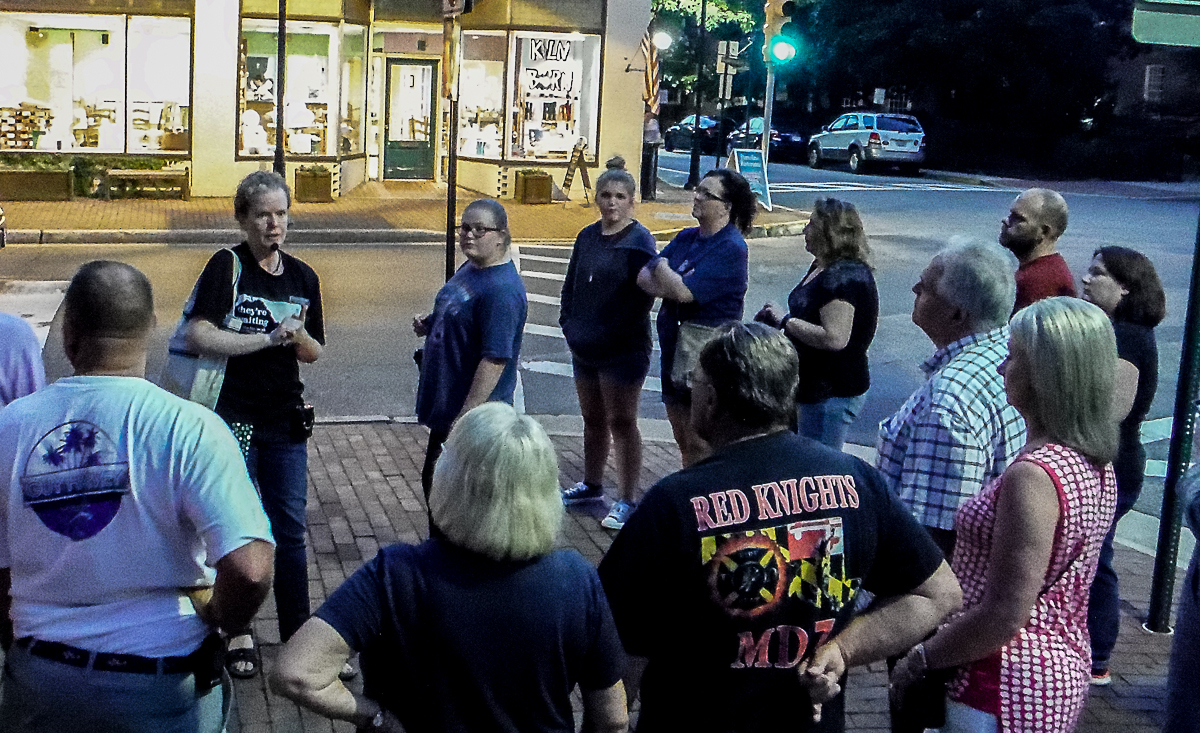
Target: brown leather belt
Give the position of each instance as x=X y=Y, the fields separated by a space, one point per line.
x=108 y=661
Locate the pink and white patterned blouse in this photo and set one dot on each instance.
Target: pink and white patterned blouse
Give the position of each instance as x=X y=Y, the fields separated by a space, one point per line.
x=1039 y=680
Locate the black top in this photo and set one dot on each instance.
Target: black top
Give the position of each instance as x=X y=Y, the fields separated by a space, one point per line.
x=732 y=571
x=454 y=641
x=1136 y=344
x=262 y=387
x=604 y=314
x=825 y=374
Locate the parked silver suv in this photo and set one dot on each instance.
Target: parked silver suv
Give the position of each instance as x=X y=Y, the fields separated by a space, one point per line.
x=867 y=138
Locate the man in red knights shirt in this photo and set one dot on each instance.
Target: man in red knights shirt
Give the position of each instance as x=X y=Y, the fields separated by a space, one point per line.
x=1036 y=220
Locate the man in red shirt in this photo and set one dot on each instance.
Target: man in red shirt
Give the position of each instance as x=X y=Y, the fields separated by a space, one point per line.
x=1036 y=220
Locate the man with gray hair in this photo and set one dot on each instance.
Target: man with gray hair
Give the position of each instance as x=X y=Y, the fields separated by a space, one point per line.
x=735 y=583
x=1036 y=220
x=957 y=431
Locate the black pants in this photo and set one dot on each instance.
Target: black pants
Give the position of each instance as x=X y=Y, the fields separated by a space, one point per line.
x=433 y=451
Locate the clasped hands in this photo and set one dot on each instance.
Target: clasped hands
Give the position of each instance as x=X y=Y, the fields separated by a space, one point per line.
x=285 y=333
x=822 y=675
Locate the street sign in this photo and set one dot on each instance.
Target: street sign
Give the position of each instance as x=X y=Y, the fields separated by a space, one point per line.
x=753 y=168
x=1169 y=22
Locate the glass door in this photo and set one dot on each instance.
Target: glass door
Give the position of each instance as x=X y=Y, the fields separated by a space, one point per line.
x=410 y=125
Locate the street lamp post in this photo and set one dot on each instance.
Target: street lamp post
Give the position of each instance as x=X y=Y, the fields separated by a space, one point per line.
x=694 y=168
x=279 y=67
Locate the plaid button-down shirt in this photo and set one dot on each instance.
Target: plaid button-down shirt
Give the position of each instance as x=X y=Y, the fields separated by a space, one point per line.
x=955 y=433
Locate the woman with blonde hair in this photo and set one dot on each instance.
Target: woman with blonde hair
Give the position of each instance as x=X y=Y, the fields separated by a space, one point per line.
x=1029 y=543
x=831 y=318
x=484 y=627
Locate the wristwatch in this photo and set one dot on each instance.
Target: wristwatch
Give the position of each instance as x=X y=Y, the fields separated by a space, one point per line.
x=783 y=321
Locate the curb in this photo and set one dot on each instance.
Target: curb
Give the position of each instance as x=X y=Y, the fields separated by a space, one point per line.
x=218 y=236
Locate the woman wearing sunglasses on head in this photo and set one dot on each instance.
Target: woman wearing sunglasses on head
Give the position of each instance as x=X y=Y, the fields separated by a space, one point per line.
x=473 y=335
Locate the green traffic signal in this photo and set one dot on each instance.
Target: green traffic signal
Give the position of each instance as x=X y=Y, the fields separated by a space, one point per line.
x=783 y=50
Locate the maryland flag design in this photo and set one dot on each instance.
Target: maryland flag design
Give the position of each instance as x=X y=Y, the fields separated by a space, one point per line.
x=752 y=572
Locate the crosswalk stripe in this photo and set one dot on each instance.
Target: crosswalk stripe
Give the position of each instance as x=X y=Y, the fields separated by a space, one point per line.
x=542 y=258
x=543 y=275
x=560 y=369
x=546 y=299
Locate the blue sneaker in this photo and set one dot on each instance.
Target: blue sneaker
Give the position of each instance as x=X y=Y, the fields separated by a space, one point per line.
x=618 y=515
x=580 y=493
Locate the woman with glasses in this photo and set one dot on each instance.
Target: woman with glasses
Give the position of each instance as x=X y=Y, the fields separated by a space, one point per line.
x=605 y=318
x=1123 y=283
x=701 y=277
x=473 y=335
x=831 y=318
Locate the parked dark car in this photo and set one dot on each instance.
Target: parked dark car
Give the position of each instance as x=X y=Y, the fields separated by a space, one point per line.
x=787 y=142
x=679 y=136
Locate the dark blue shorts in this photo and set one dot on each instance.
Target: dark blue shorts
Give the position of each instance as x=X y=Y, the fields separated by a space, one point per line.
x=622 y=369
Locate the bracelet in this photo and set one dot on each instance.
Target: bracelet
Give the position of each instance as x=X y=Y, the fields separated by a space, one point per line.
x=921 y=663
x=783 y=321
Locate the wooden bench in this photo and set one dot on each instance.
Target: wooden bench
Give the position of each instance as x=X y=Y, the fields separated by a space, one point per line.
x=172 y=179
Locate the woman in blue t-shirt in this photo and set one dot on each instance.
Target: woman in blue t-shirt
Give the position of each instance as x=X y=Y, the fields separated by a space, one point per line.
x=701 y=277
x=1123 y=283
x=831 y=318
x=605 y=318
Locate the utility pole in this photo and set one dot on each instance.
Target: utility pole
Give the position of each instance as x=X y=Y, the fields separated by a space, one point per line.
x=768 y=107
x=694 y=169
x=451 y=44
x=280 y=55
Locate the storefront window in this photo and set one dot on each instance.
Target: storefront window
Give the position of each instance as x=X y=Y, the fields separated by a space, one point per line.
x=310 y=99
x=481 y=95
x=354 y=89
x=556 y=89
x=159 y=69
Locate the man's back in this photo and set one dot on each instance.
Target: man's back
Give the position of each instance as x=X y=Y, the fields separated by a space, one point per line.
x=732 y=571
x=118 y=495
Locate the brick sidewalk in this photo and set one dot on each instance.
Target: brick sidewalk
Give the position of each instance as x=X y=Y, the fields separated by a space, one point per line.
x=364 y=492
x=419 y=207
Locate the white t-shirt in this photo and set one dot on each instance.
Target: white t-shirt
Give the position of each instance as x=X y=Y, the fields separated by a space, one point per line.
x=119 y=495
x=21 y=369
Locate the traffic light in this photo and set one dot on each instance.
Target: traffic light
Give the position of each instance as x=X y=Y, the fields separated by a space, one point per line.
x=781 y=33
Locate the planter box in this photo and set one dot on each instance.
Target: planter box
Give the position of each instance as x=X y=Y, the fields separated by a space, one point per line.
x=533 y=187
x=23 y=185
x=314 y=188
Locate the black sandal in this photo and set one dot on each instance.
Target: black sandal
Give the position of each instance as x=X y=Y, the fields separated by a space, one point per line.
x=243 y=662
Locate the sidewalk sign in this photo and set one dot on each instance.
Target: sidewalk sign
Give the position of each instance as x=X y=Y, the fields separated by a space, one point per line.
x=750 y=164
x=577 y=164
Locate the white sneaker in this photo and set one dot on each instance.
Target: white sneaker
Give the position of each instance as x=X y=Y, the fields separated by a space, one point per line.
x=618 y=515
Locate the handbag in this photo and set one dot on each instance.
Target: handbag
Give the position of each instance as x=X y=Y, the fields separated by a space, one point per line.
x=692 y=338
x=193 y=376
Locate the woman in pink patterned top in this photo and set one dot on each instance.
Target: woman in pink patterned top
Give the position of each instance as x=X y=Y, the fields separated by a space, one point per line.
x=1028 y=544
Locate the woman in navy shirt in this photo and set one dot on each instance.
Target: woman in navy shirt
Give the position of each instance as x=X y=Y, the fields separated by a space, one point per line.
x=701 y=277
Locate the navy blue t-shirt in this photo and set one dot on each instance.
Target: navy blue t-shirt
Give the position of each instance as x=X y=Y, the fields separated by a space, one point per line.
x=453 y=641
x=732 y=571
x=604 y=314
x=716 y=270
x=477 y=313
x=824 y=373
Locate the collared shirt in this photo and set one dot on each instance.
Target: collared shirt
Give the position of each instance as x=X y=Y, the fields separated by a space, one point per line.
x=955 y=433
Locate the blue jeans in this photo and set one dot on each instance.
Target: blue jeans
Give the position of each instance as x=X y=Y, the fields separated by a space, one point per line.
x=829 y=420
x=962 y=718
x=44 y=696
x=1104 y=602
x=279 y=467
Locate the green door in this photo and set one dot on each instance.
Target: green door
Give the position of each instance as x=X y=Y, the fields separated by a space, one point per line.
x=411 y=122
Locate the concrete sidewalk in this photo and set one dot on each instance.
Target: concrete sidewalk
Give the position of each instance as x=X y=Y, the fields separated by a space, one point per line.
x=364 y=492
x=372 y=213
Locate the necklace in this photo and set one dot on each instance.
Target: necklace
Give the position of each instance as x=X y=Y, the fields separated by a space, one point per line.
x=277 y=268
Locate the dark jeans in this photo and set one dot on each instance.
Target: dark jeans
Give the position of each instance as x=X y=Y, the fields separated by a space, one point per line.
x=1104 y=603
x=1183 y=679
x=279 y=467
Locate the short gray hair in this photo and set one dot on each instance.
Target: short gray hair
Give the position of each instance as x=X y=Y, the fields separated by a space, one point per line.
x=979 y=278
x=754 y=370
x=495 y=487
x=255 y=184
x=1051 y=209
x=1072 y=356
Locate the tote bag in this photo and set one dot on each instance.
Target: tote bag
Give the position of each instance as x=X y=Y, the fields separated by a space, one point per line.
x=196 y=377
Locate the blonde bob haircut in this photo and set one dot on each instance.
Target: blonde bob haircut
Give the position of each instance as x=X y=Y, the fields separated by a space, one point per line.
x=1072 y=356
x=495 y=487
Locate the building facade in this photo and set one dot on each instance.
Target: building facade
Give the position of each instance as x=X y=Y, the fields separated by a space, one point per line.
x=363 y=93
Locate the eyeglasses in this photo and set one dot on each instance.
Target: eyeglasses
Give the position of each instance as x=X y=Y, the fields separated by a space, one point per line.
x=477 y=229
x=707 y=195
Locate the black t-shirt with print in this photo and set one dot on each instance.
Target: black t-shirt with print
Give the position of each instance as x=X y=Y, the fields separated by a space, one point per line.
x=732 y=571
x=262 y=387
